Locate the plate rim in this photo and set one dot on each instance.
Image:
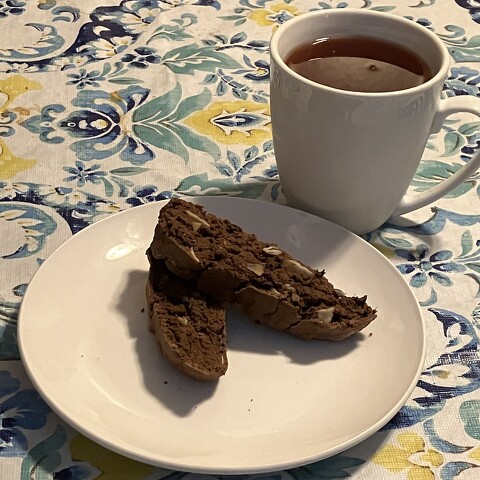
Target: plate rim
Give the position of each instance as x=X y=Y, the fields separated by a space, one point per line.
x=195 y=468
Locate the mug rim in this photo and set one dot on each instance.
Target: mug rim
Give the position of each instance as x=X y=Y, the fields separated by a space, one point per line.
x=440 y=74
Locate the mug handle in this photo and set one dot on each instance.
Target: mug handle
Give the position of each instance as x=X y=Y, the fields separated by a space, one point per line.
x=447 y=107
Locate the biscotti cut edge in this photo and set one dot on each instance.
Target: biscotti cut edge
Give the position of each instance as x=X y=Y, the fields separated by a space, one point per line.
x=189 y=328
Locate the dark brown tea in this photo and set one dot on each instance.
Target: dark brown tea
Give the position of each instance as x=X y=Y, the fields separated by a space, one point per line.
x=359 y=64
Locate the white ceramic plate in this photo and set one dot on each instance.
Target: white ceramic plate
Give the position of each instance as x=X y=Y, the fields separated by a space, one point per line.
x=284 y=402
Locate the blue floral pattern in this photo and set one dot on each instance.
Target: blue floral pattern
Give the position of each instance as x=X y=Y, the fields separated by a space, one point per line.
x=35 y=225
x=439 y=266
x=111 y=105
x=472 y=8
x=20 y=410
x=428 y=267
x=11 y=7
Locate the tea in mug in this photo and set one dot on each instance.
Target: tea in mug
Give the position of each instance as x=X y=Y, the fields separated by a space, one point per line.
x=359 y=64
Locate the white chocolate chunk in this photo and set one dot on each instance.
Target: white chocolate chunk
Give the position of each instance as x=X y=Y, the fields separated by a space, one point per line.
x=196 y=226
x=183 y=321
x=325 y=315
x=198 y=219
x=292 y=266
x=191 y=252
x=272 y=251
x=256 y=268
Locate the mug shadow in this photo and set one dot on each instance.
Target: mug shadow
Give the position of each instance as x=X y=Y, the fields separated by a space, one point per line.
x=182 y=394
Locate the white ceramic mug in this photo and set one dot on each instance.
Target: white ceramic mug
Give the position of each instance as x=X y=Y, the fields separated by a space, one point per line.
x=350 y=156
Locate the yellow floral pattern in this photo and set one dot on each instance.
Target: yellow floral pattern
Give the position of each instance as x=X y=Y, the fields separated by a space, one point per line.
x=411 y=455
x=10 y=164
x=274 y=15
x=14 y=86
x=10 y=88
x=475 y=455
x=112 y=465
x=241 y=122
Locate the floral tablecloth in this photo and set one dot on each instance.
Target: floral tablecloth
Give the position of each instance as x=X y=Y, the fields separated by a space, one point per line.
x=107 y=105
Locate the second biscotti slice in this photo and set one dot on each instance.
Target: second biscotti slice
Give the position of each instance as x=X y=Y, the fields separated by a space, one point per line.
x=233 y=266
x=189 y=327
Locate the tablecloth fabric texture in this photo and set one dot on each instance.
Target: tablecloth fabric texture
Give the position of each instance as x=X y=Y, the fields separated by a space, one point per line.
x=107 y=105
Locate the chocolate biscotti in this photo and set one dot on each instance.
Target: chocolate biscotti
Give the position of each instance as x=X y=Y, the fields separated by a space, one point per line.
x=189 y=327
x=222 y=261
